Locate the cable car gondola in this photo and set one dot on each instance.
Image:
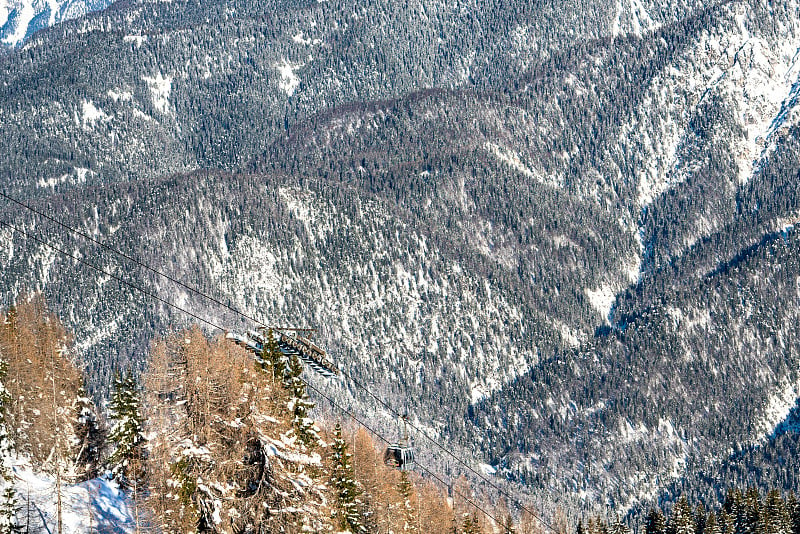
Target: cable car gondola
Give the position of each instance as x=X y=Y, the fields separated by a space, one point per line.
x=400 y=455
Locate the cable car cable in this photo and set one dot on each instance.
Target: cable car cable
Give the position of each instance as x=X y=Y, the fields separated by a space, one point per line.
x=356 y=382
x=214 y=325
x=107 y=273
x=423 y=467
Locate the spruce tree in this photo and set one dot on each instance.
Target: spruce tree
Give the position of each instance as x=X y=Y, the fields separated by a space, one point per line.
x=272 y=361
x=713 y=526
x=775 y=518
x=655 y=523
x=700 y=517
x=344 y=484
x=726 y=522
x=8 y=499
x=618 y=527
x=90 y=437
x=470 y=525
x=793 y=509
x=126 y=431
x=299 y=403
x=682 y=518
x=752 y=510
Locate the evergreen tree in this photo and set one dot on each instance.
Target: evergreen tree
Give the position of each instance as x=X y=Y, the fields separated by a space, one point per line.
x=8 y=499
x=126 y=432
x=272 y=360
x=655 y=523
x=793 y=509
x=775 y=518
x=682 y=518
x=752 y=506
x=618 y=527
x=344 y=483
x=299 y=403
x=90 y=437
x=712 y=526
x=735 y=508
x=700 y=518
x=726 y=523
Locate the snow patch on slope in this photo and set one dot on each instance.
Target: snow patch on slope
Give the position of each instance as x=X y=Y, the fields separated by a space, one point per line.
x=160 y=90
x=289 y=80
x=513 y=160
x=91 y=114
x=300 y=39
x=303 y=205
x=7 y=249
x=120 y=95
x=78 y=178
x=602 y=298
x=139 y=40
x=97 y=505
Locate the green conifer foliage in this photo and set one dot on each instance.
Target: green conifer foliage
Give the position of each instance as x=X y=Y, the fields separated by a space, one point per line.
x=793 y=509
x=8 y=498
x=753 y=509
x=344 y=484
x=618 y=527
x=299 y=403
x=682 y=518
x=126 y=432
x=713 y=526
x=273 y=362
x=655 y=523
x=775 y=518
x=90 y=437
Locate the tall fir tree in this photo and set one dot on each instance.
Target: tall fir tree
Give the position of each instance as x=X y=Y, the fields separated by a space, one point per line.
x=272 y=360
x=618 y=527
x=344 y=483
x=713 y=525
x=655 y=523
x=126 y=432
x=470 y=525
x=299 y=403
x=752 y=506
x=682 y=518
x=90 y=437
x=775 y=518
x=8 y=498
x=793 y=509
x=727 y=524
x=700 y=518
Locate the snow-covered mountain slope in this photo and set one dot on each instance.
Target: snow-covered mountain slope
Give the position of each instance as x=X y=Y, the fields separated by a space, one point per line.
x=19 y=19
x=533 y=230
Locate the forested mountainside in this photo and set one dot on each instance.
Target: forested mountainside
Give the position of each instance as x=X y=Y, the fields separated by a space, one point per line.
x=572 y=226
x=19 y=19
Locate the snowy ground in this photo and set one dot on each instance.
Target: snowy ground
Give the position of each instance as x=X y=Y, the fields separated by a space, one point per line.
x=96 y=506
